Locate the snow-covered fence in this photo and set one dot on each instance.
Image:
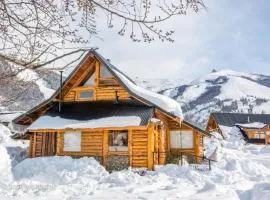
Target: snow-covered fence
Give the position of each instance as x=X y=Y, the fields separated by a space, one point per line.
x=183 y=158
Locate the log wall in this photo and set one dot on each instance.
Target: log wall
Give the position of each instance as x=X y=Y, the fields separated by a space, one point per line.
x=99 y=93
x=95 y=143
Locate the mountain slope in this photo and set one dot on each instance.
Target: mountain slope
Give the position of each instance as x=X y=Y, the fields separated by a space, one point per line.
x=223 y=91
x=22 y=90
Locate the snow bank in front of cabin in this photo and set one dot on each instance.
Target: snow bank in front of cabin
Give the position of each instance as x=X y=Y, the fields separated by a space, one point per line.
x=59 y=170
x=162 y=101
x=45 y=122
x=240 y=174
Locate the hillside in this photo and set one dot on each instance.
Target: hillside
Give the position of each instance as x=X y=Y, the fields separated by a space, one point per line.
x=22 y=90
x=225 y=91
x=222 y=91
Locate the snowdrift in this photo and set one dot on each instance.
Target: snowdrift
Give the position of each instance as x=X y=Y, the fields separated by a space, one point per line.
x=241 y=173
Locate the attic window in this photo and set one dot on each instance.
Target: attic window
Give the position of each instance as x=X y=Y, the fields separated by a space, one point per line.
x=86 y=94
x=90 y=81
x=105 y=73
x=118 y=140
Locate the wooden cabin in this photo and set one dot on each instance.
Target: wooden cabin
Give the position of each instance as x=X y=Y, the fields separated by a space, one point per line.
x=100 y=112
x=254 y=127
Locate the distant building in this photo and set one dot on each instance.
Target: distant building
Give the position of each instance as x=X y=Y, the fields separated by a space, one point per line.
x=254 y=127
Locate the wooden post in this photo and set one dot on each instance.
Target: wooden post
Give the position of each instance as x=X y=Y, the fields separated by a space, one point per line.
x=130 y=147
x=34 y=145
x=150 y=146
x=30 y=148
x=97 y=72
x=105 y=147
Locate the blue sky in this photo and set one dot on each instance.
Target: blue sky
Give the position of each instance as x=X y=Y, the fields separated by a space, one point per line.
x=229 y=35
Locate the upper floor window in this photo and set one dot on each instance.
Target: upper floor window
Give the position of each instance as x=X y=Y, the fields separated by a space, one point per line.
x=86 y=94
x=259 y=135
x=105 y=73
x=90 y=81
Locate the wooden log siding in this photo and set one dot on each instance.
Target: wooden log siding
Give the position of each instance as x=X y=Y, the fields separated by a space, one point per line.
x=94 y=142
x=91 y=144
x=100 y=93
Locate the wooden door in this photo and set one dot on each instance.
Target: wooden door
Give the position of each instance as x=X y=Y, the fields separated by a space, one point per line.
x=43 y=144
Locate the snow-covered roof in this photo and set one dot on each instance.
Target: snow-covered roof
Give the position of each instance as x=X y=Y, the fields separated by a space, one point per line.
x=94 y=115
x=163 y=103
x=231 y=119
x=9 y=116
x=50 y=122
x=254 y=125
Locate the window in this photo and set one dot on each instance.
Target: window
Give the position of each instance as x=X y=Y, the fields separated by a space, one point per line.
x=72 y=141
x=90 y=81
x=259 y=136
x=105 y=73
x=86 y=94
x=181 y=139
x=118 y=141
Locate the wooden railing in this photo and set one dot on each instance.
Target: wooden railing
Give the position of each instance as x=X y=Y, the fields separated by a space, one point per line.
x=186 y=158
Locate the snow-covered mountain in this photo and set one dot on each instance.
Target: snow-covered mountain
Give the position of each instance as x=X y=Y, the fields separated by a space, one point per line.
x=22 y=90
x=226 y=91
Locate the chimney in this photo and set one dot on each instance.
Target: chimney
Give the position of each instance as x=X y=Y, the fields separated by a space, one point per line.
x=60 y=94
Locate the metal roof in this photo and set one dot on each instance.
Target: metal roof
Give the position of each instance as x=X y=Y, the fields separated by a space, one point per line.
x=89 y=111
x=196 y=127
x=231 y=119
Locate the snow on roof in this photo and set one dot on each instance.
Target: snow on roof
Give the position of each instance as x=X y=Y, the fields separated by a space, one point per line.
x=161 y=101
x=9 y=116
x=255 y=125
x=49 y=122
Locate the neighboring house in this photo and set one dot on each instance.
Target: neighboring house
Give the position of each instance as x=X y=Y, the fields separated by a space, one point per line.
x=255 y=127
x=99 y=111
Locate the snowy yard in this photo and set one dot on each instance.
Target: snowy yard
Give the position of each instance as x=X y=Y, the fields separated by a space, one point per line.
x=242 y=172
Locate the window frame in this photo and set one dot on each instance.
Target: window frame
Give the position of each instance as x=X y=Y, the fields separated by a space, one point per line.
x=74 y=132
x=180 y=132
x=127 y=141
x=85 y=89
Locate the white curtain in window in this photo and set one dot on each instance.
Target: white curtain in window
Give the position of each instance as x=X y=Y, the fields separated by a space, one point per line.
x=187 y=139
x=72 y=141
x=181 y=139
x=175 y=139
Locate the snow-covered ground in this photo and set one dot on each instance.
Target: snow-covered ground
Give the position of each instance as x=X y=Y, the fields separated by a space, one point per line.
x=242 y=172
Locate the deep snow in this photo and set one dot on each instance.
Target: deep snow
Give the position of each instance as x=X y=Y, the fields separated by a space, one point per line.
x=242 y=172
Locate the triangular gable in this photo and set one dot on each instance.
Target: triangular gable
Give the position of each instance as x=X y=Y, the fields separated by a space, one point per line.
x=163 y=103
